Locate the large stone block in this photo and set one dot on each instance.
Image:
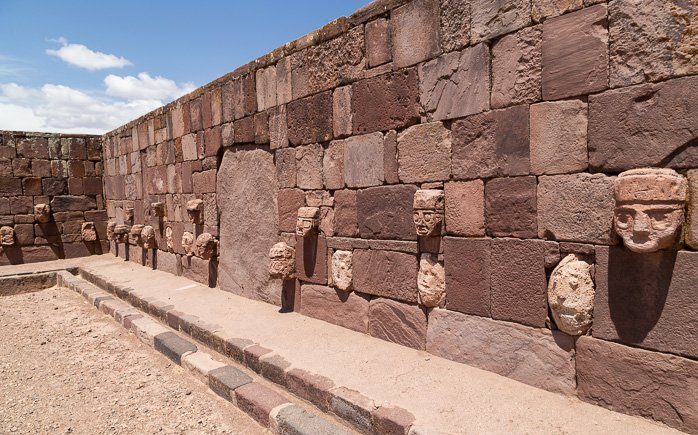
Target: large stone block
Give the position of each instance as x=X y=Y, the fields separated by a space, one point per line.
x=73 y=203
x=652 y=40
x=576 y=208
x=398 y=322
x=348 y=310
x=386 y=273
x=333 y=166
x=385 y=212
x=345 y=214
x=559 y=137
x=542 y=9
x=363 y=160
x=692 y=217
x=491 y=144
x=639 y=382
x=378 y=46
x=646 y=125
x=310 y=119
x=246 y=194
x=647 y=300
x=510 y=207
x=491 y=18
x=386 y=102
x=467 y=265
x=465 y=208
x=455 y=24
x=516 y=68
x=538 y=357
x=289 y=201
x=311 y=259
x=10 y=186
x=424 y=153
x=575 y=53
x=266 y=87
x=309 y=166
x=415 y=32
x=456 y=84
x=341 y=111
x=518 y=284
x=286 y=167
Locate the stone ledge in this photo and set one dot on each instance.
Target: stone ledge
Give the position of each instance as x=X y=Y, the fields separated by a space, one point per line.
x=173 y=346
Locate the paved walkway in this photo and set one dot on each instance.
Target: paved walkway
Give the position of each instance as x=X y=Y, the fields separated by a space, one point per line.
x=445 y=397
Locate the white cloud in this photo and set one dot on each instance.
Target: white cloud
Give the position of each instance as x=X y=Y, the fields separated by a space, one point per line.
x=81 y=56
x=145 y=87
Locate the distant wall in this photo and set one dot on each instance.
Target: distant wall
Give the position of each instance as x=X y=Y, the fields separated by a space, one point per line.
x=64 y=171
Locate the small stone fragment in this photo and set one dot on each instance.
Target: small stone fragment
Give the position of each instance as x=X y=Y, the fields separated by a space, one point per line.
x=88 y=232
x=283 y=261
x=431 y=281
x=571 y=295
x=342 y=272
x=42 y=213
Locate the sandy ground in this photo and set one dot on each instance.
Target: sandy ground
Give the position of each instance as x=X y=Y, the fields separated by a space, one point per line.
x=67 y=368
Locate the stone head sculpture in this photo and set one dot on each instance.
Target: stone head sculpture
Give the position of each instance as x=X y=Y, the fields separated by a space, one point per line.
x=195 y=211
x=342 y=269
x=148 y=237
x=428 y=211
x=157 y=209
x=134 y=237
x=169 y=238
x=88 y=232
x=206 y=246
x=431 y=281
x=649 y=212
x=42 y=213
x=188 y=243
x=111 y=225
x=121 y=233
x=283 y=261
x=7 y=236
x=308 y=221
x=571 y=295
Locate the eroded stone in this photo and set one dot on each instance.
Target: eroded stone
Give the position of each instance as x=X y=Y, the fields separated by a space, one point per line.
x=88 y=232
x=516 y=68
x=169 y=239
x=195 y=211
x=571 y=295
x=134 y=235
x=342 y=271
x=424 y=153
x=428 y=211
x=111 y=225
x=206 y=246
x=188 y=243
x=282 y=263
x=308 y=221
x=42 y=213
x=431 y=281
x=148 y=237
x=7 y=236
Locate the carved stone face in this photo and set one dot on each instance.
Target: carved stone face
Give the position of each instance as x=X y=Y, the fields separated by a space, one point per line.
x=308 y=221
x=134 y=237
x=88 y=232
x=157 y=209
x=42 y=213
x=431 y=281
x=7 y=236
x=428 y=214
x=649 y=209
x=111 y=225
x=342 y=270
x=148 y=237
x=195 y=211
x=121 y=232
x=188 y=243
x=571 y=295
x=283 y=261
x=206 y=246
x=169 y=239
x=128 y=214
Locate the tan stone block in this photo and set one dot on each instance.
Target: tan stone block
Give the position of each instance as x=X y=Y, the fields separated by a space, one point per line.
x=378 y=46
x=397 y=322
x=516 y=68
x=363 y=160
x=465 y=208
x=341 y=111
x=333 y=165
x=559 y=137
x=424 y=153
x=491 y=18
x=415 y=32
x=455 y=24
x=309 y=166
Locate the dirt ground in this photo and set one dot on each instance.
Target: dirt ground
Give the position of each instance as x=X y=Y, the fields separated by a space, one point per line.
x=67 y=368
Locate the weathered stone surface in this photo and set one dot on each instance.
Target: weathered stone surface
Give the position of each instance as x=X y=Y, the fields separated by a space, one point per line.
x=428 y=212
x=392 y=420
x=575 y=53
x=415 y=32
x=385 y=212
x=538 y=357
x=333 y=165
x=348 y=310
x=266 y=87
x=345 y=213
x=424 y=153
x=363 y=160
x=397 y=322
x=571 y=295
x=378 y=46
x=652 y=40
x=308 y=221
x=516 y=68
x=286 y=167
x=342 y=270
x=278 y=128
x=258 y=401
x=386 y=102
x=612 y=375
x=646 y=125
x=661 y=286
x=510 y=207
x=7 y=236
x=455 y=24
x=294 y=419
x=77 y=203
x=311 y=259
x=246 y=195
x=10 y=186
x=390 y=165
x=386 y=273
x=282 y=259
x=559 y=137
x=465 y=208
x=542 y=9
x=309 y=166
x=518 y=283
x=692 y=216
x=341 y=111
x=431 y=281
x=288 y=203
x=491 y=18
x=456 y=84
x=309 y=119
x=491 y=144
x=576 y=208
x=467 y=267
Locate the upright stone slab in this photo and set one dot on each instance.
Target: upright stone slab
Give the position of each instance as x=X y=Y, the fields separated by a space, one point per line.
x=247 y=190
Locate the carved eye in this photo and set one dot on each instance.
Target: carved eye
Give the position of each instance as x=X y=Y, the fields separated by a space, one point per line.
x=660 y=219
x=624 y=219
x=428 y=217
x=416 y=217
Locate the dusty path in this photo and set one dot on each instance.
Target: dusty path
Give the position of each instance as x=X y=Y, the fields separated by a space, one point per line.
x=67 y=368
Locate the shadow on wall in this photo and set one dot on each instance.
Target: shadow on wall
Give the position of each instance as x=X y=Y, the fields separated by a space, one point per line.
x=638 y=285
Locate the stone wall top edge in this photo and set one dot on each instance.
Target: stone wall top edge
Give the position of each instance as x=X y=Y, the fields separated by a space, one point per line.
x=44 y=134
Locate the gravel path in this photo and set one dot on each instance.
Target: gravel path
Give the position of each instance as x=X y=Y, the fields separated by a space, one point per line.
x=67 y=368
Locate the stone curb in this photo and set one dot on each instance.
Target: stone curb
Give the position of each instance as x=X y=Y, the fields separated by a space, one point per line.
x=173 y=346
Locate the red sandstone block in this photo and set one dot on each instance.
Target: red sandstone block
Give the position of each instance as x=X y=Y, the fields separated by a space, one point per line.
x=638 y=382
x=41 y=168
x=345 y=213
x=21 y=167
x=76 y=168
x=309 y=166
x=465 y=208
x=10 y=186
x=5 y=168
x=415 y=32
x=285 y=160
x=348 y=310
x=24 y=234
x=391 y=420
x=204 y=182
x=311 y=387
x=32 y=147
x=21 y=204
x=76 y=186
x=378 y=45
x=92 y=185
x=385 y=212
x=252 y=355
x=258 y=401
x=243 y=130
x=261 y=128
x=309 y=119
x=386 y=273
x=212 y=141
x=467 y=267
x=341 y=111
x=386 y=102
x=398 y=322
x=31 y=186
x=288 y=203
x=311 y=259
x=510 y=207
x=273 y=367
x=518 y=289
x=390 y=164
x=245 y=96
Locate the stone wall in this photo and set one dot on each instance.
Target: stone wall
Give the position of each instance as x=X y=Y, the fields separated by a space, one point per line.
x=63 y=172
x=522 y=112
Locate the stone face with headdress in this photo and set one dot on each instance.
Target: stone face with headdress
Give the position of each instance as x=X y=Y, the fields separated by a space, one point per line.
x=428 y=211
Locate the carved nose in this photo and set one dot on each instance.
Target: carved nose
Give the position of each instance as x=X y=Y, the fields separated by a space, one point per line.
x=642 y=223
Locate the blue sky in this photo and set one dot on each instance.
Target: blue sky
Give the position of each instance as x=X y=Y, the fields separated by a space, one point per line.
x=89 y=66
